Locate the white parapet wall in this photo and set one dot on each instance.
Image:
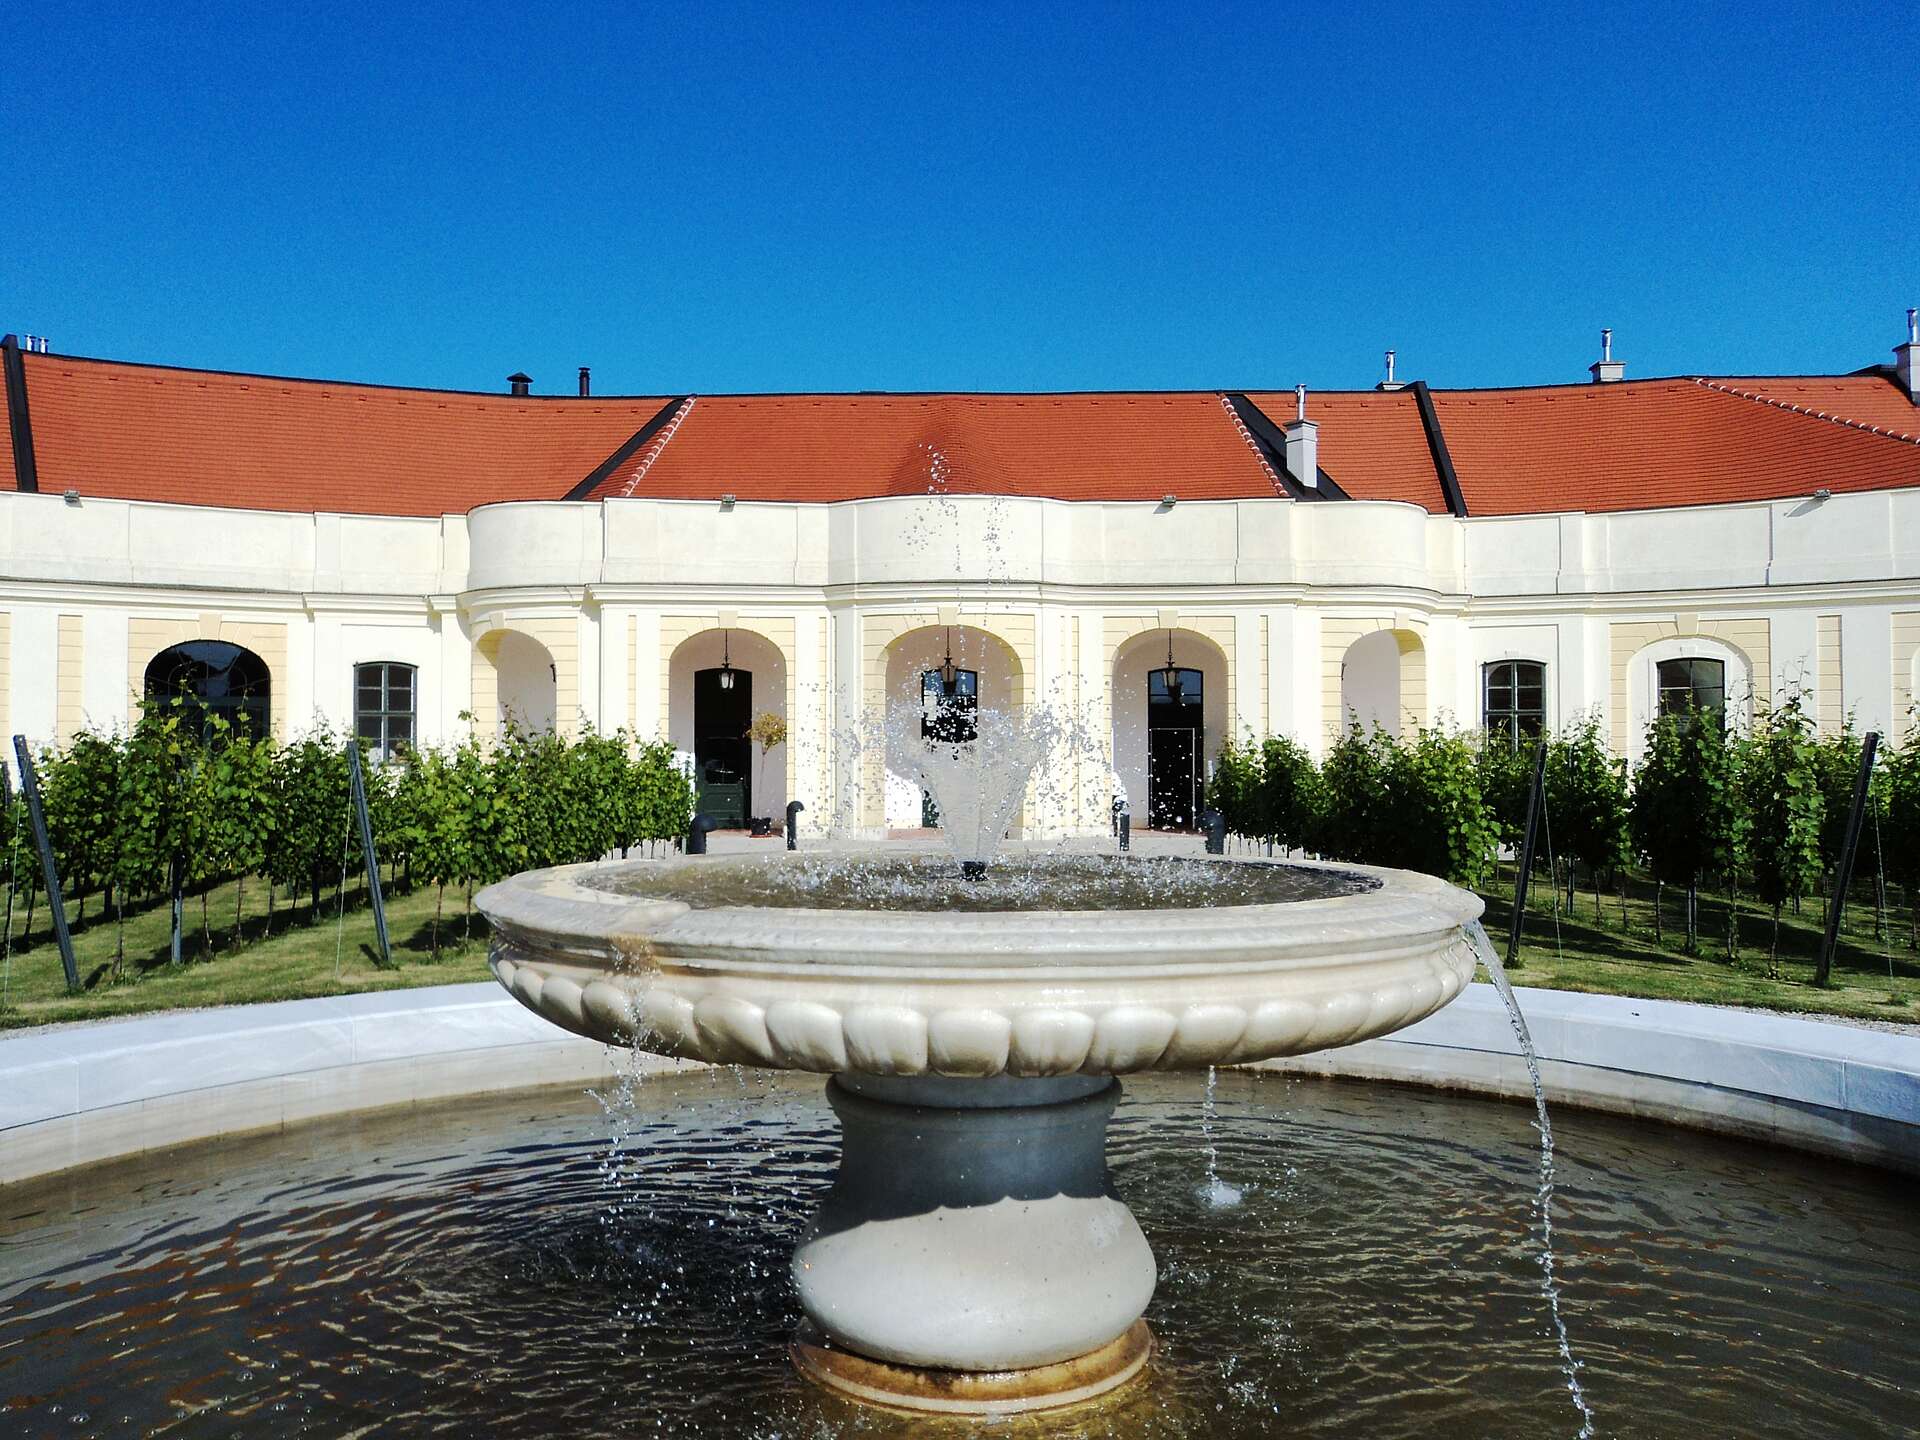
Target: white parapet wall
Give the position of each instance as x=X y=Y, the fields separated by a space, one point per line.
x=87 y=1093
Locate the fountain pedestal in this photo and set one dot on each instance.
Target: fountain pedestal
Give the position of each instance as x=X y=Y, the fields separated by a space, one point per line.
x=972 y=1256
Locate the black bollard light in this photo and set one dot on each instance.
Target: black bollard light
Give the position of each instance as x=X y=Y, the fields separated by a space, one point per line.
x=697 y=830
x=1216 y=827
x=794 y=807
x=973 y=869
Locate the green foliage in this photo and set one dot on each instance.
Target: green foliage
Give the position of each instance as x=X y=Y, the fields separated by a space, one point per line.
x=1356 y=822
x=1780 y=784
x=312 y=803
x=1288 y=799
x=1506 y=777
x=1418 y=806
x=1686 y=815
x=1587 y=798
x=1233 y=785
x=1900 y=822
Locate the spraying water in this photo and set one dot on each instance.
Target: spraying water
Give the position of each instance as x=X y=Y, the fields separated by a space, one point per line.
x=1216 y=1192
x=1489 y=956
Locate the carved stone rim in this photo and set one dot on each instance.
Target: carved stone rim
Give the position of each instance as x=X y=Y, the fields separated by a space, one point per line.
x=1023 y=993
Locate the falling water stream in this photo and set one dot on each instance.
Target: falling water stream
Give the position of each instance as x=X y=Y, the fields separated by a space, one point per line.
x=1489 y=956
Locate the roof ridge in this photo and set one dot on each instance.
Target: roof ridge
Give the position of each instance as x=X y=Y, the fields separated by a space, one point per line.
x=1273 y=475
x=659 y=444
x=1757 y=398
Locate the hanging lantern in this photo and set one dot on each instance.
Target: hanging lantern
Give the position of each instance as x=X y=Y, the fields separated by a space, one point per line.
x=1170 y=677
x=949 y=672
x=726 y=660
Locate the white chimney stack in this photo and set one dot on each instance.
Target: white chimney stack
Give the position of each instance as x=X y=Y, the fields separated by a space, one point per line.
x=1606 y=369
x=1390 y=383
x=1303 y=443
x=1906 y=358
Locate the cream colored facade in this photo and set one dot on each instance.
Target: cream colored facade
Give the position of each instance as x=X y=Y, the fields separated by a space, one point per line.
x=1296 y=614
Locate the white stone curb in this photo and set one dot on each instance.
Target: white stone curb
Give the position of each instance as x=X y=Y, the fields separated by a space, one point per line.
x=95 y=1092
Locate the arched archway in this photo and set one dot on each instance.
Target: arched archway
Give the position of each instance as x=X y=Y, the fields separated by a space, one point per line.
x=1166 y=738
x=215 y=678
x=988 y=675
x=1383 y=682
x=525 y=682
x=718 y=681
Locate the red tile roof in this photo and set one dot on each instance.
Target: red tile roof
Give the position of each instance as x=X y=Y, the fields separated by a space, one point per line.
x=141 y=432
x=6 y=442
x=1873 y=401
x=1371 y=443
x=844 y=447
x=195 y=437
x=1638 y=445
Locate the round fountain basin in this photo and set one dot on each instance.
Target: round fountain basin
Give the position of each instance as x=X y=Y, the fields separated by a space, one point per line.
x=1051 y=964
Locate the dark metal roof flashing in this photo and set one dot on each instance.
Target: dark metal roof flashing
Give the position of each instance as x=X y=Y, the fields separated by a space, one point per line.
x=26 y=474
x=1272 y=444
x=604 y=470
x=1437 y=445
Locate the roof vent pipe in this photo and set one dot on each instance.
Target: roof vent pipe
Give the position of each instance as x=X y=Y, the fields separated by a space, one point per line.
x=518 y=382
x=1606 y=369
x=1906 y=359
x=1390 y=383
x=1303 y=443
x=586 y=384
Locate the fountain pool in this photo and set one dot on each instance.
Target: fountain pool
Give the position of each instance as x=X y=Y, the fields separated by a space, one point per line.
x=480 y=1268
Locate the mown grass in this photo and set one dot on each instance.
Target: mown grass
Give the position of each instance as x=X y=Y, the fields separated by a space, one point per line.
x=297 y=958
x=238 y=965
x=1875 y=976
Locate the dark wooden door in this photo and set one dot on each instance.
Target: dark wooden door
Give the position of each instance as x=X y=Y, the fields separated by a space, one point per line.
x=722 y=754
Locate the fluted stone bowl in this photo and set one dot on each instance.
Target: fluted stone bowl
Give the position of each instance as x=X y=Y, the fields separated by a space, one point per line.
x=671 y=957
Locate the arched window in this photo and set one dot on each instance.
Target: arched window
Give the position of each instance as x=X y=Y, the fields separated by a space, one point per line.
x=1693 y=683
x=1514 y=698
x=383 y=706
x=214 y=678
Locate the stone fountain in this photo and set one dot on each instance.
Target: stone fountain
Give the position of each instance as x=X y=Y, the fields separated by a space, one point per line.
x=972 y=1256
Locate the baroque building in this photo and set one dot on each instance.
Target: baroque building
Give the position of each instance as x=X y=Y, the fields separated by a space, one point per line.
x=1174 y=567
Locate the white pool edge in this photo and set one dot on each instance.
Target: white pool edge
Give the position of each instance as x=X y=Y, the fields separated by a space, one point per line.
x=84 y=1094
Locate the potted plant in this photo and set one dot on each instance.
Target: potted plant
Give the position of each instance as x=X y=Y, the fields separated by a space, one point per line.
x=768 y=730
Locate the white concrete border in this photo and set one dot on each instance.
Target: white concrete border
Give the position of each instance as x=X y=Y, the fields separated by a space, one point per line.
x=87 y=1093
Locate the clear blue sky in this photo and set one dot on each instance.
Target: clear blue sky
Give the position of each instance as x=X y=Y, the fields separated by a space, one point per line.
x=733 y=198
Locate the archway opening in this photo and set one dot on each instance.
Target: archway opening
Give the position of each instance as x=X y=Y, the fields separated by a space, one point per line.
x=214 y=678
x=1373 y=680
x=719 y=682
x=525 y=678
x=921 y=704
x=1167 y=727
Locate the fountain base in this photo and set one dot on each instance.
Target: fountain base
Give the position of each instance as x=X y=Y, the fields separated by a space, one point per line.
x=923 y=1390
x=972 y=1256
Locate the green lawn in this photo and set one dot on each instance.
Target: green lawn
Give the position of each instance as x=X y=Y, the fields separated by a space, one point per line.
x=299 y=959
x=296 y=960
x=1595 y=953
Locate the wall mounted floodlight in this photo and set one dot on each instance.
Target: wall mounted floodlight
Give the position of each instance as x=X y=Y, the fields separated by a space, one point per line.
x=727 y=501
x=1823 y=493
x=71 y=496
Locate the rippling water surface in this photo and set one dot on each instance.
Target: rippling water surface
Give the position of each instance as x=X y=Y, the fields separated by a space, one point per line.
x=479 y=1269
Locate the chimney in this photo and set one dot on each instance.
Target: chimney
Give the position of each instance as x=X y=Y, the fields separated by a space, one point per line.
x=1606 y=369
x=586 y=382
x=519 y=381
x=1303 y=443
x=1390 y=383
x=1906 y=359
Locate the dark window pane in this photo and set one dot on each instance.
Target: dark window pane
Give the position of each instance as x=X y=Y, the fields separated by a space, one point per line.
x=400 y=728
x=369 y=728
